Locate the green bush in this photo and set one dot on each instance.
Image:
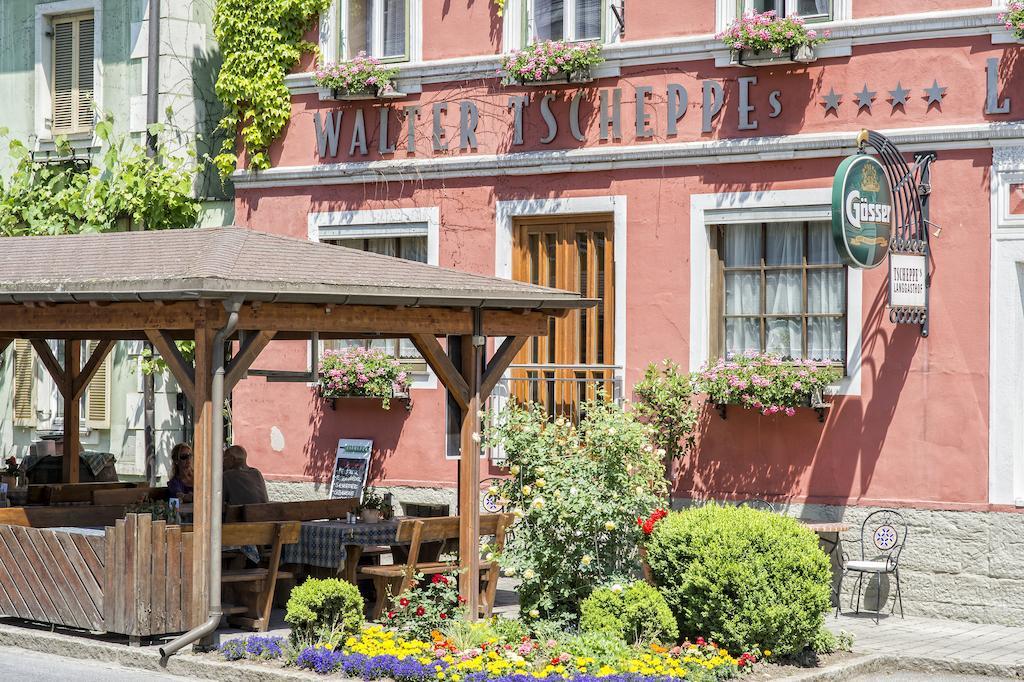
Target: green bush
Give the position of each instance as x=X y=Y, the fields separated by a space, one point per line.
x=324 y=611
x=745 y=577
x=636 y=613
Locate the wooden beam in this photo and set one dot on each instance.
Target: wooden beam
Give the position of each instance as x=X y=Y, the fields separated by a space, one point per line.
x=92 y=365
x=202 y=455
x=82 y=317
x=183 y=373
x=72 y=410
x=248 y=352
x=57 y=373
x=469 y=480
x=503 y=357
x=450 y=375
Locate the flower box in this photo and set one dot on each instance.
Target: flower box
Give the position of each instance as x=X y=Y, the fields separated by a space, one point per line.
x=386 y=92
x=361 y=78
x=333 y=400
x=578 y=76
x=362 y=373
x=800 y=54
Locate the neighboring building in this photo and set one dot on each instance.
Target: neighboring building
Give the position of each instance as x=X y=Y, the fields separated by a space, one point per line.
x=648 y=205
x=60 y=64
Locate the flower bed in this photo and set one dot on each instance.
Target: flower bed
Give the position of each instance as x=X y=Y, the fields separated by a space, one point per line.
x=362 y=77
x=378 y=653
x=362 y=372
x=766 y=38
x=1013 y=18
x=551 y=62
x=765 y=382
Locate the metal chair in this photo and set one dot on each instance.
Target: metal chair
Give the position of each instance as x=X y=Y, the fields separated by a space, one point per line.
x=761 y=505
x=884 y=535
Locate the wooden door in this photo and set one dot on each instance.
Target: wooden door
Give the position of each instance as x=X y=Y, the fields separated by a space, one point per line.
x=575 y=361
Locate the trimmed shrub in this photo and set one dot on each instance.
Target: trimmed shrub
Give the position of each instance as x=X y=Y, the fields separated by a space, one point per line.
x=636 y=613
x=324 y=611
x=747 y=578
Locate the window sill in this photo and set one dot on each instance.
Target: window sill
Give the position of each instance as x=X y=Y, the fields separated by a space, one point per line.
x=333 y=95
x=833 y=48
x=78 y=141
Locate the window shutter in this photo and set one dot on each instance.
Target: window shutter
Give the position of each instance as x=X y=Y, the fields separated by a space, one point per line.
x=97 y=400
x=24 y=384
x=86 y=46
x=63 y=77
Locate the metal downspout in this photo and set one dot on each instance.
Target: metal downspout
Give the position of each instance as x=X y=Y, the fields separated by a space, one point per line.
x=232 y=305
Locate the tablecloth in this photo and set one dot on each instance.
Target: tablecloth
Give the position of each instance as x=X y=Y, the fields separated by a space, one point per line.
x=322 y=543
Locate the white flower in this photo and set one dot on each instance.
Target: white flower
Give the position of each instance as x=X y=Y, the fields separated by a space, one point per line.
x=639 y=490
x=490 y=556
x=528 y=574
x=476 y=437
x=518 y=513
x=534 y=613
x=586 y=559
x=616 y=588
x=480 y=414
x=649 y=448
x=609 y=525
x=557 y=494
x=540 y=471
x=510 y=571
x=538 y=503
x=514 y=469
x=611 y=431
x=527 y=490
x=540 y=483
x=660 y=452
x=573 y=491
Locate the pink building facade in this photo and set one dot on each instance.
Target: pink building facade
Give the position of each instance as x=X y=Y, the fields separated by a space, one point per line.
x=643 y=188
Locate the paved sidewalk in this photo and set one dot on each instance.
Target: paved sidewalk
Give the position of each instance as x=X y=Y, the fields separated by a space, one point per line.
x=931 y=638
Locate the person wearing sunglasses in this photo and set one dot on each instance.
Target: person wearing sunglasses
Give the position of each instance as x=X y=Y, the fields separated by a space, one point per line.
x=182 y=473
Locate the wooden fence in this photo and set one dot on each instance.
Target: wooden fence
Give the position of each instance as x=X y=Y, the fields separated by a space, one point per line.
x=135 y=579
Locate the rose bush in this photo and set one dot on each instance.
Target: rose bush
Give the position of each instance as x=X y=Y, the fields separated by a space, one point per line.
x=576 y=492
x=426 y=606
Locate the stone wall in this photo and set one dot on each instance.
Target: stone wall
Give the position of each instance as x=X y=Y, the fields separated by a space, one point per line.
x=958 y=565
x=287 y=491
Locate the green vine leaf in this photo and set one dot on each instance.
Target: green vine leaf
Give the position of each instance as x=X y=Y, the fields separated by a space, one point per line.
x=260 y=41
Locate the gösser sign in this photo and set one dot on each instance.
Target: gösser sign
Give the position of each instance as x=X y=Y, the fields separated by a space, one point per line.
x=861 y=211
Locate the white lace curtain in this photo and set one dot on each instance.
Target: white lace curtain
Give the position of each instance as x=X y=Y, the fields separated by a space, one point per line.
x=549 y=18
x=783 y=304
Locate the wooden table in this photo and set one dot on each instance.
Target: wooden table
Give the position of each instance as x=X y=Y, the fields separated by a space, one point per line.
x=339 y=545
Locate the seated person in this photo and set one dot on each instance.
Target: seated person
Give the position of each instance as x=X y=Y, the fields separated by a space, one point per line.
x=182 y=473
x=242 y=483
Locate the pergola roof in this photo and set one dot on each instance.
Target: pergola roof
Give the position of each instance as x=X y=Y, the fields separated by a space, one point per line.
x=220 y=262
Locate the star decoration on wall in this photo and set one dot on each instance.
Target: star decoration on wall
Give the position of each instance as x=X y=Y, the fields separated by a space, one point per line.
x=831 y=101
x=864 y=98
x=935 y=93
x=899 y=95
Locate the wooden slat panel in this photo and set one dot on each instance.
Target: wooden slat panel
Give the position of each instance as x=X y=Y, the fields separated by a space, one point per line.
x=172 y=584
x=37 y=563
x=92 y=548
x=12 y=581
x=158 y=593
x=66 y=577
x=116 y=574
x=31 y=585
x=187 y=569
x=90 y=586
x=6 y=604
x=143 y=570
x=49 y=573
x=129 y=621
x=110 y=581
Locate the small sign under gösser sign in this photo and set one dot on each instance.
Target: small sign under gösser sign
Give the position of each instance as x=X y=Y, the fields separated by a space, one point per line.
x=861 y=211
x=907 y=281
x=351 y=465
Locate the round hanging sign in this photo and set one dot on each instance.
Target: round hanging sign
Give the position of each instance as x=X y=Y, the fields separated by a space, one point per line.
x=861 y=211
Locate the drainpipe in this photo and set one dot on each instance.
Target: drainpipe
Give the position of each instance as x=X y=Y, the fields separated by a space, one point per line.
x=152 y=117
x=217 y=491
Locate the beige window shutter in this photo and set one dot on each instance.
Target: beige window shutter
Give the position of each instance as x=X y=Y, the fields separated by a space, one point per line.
x=73 y=82
x=97 y=397
x=24 y=383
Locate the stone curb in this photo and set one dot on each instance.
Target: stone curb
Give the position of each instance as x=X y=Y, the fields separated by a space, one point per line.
x=198 y=667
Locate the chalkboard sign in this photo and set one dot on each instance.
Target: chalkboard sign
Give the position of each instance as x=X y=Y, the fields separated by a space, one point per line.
x=350 y=467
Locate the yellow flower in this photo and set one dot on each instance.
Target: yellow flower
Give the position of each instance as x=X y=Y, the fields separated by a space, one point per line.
x=534 y=613
x=540 y=482
x=528 y=574
x=527 y=490
x=514 y=469
x=767 y=652
x=586 y=559
x=609 y=525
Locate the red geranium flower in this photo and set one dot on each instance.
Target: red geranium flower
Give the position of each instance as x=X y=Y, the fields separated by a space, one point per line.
x=403 y=601
x=443 y=616
x=391 y=614
x=420 y=611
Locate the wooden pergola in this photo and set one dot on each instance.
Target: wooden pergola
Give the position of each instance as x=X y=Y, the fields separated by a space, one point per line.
x=233 y=285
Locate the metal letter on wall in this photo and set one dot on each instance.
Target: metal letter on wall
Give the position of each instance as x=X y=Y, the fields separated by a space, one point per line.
x=549 y=118
x=327 y=135
x=992 y=103
x=677 y=103
x=613 y=118
x=468 y=116
x=574 y=117
x=440 y=143
x=713 y=101
x=643 y=119
x=358 y=135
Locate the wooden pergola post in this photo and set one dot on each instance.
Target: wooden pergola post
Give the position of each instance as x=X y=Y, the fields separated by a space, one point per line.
x=469 y=477
x=205 y=413
x=72 y=413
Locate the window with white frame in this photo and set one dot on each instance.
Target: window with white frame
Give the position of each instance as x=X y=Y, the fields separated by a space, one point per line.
x=570 y=20
x=72 y=87
x=812 y=10
x=379 y=28
x=408 y=241
x=778 y=287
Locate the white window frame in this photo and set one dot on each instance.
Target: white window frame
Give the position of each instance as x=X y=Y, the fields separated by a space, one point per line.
x=43 y=72
x=383 y=223
x=518 y=27
x=709 y=210
x=333 y=40
x=726 y=12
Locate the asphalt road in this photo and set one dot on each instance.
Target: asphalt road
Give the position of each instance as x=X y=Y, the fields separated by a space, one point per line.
x=18 y=664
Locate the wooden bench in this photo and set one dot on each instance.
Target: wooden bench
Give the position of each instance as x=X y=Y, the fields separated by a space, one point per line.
x=260 y=581
x=128 y=496
x=397 y=578
x=71 y=493
x=306 y=510
x=53 y=517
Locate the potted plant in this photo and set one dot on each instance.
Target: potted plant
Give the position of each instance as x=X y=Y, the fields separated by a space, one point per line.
x=1013 y=18
x=364 y=373
x=759 y=39
x=360 y=78
x=551 y=61
x=373 y=507
x=10 y=474
x=766 y=382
